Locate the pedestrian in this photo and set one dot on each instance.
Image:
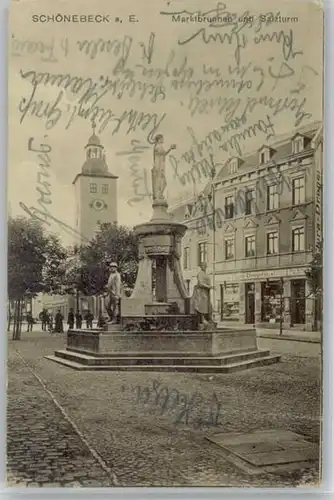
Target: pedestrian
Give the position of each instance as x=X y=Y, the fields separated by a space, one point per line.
x=44 y=319
x=30 y=322
x=59 y=327
x=78 y=320
x=101 y=321
x=70 y=319
x=50 y=322
x=89 y=319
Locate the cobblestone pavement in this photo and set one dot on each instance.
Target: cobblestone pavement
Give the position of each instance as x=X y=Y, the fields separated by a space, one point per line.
x=136 y=442
x=43 y=449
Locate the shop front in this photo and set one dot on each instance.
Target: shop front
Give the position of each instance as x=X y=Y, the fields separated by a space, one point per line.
x=269 y=297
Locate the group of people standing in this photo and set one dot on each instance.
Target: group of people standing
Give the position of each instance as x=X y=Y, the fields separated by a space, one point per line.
x=77 y=319
x=56 y=324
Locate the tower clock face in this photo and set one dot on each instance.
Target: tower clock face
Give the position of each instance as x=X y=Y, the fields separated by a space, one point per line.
x=98 y=205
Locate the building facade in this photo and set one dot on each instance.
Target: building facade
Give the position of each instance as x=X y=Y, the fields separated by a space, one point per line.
x=266 y=228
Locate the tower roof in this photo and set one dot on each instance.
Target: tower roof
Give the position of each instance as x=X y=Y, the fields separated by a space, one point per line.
x=93 y=140
x=94 y=166
x=95 y=163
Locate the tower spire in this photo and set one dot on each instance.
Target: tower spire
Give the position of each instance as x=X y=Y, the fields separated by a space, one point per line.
x=93 y=126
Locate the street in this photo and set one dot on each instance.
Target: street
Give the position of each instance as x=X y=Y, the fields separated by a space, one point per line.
x=77 y=429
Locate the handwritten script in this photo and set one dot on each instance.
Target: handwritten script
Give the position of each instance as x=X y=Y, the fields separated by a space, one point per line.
x=191 y=409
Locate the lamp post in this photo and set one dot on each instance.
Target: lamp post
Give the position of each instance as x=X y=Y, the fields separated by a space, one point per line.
x=211 y=197
x=281 y=306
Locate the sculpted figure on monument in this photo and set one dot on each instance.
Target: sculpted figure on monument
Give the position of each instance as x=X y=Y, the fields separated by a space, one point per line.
x=159 y=166
x=201 y=296
x=113 y=295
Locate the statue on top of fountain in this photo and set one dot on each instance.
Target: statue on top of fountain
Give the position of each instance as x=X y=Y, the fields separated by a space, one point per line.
x=159 y=166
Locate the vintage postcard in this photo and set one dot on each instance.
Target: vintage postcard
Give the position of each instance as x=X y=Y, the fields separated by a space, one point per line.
x=165 y=244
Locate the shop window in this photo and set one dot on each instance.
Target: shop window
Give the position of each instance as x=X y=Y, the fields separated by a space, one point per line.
x=298 y=191
x=229 y=302
x=298 y=239
x=272 y=301
x=202 y=253
x=250 y=246
x=272 y=243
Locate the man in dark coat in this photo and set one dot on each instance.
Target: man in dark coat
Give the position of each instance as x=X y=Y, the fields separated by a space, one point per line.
x=59 y=328
x=30 y=322
x=44 y=317
x=89 y=319
x=70 y=319
x=78 y=320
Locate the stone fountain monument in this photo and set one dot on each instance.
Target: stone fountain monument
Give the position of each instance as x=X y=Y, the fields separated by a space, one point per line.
x=158 y=330
x=163 y=295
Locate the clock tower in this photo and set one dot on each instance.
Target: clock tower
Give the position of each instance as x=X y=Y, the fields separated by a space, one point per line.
x=95 y=191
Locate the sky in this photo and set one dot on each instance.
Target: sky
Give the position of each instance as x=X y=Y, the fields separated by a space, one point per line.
x=240 y=76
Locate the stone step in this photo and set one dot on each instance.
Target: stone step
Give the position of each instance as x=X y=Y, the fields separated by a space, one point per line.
x=154 y=354
x=87 y=359
x=229 y=368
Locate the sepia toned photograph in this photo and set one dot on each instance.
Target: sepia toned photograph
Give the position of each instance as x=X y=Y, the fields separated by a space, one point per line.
x=165 y=244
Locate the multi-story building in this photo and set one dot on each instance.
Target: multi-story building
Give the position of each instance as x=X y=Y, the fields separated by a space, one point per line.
x=264 y=234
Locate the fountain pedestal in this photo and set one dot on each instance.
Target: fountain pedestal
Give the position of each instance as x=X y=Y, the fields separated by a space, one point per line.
x=159 y=250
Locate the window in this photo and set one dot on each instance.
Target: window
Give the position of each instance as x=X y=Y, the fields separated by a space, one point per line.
x=298 y=239
x=233 y=167
x=105 y=188
x=229 y=248
x=298 y=145
x=202 y=253
x=272 y=197
x=249 y=197
x=250 y=246
x=272 y=243
x=186 y=258
x=298 y=191
x=93 y=188
x=188 y=286
x=229 y=207
x=262 y=157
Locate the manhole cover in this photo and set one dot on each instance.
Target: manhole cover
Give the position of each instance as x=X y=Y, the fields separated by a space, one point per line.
x=262 y=449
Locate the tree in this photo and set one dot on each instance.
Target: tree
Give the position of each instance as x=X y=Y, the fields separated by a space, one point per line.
x=53 y=273
x=34 y=258
x=111 y=244
x=314 y=276
x=71 y=273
